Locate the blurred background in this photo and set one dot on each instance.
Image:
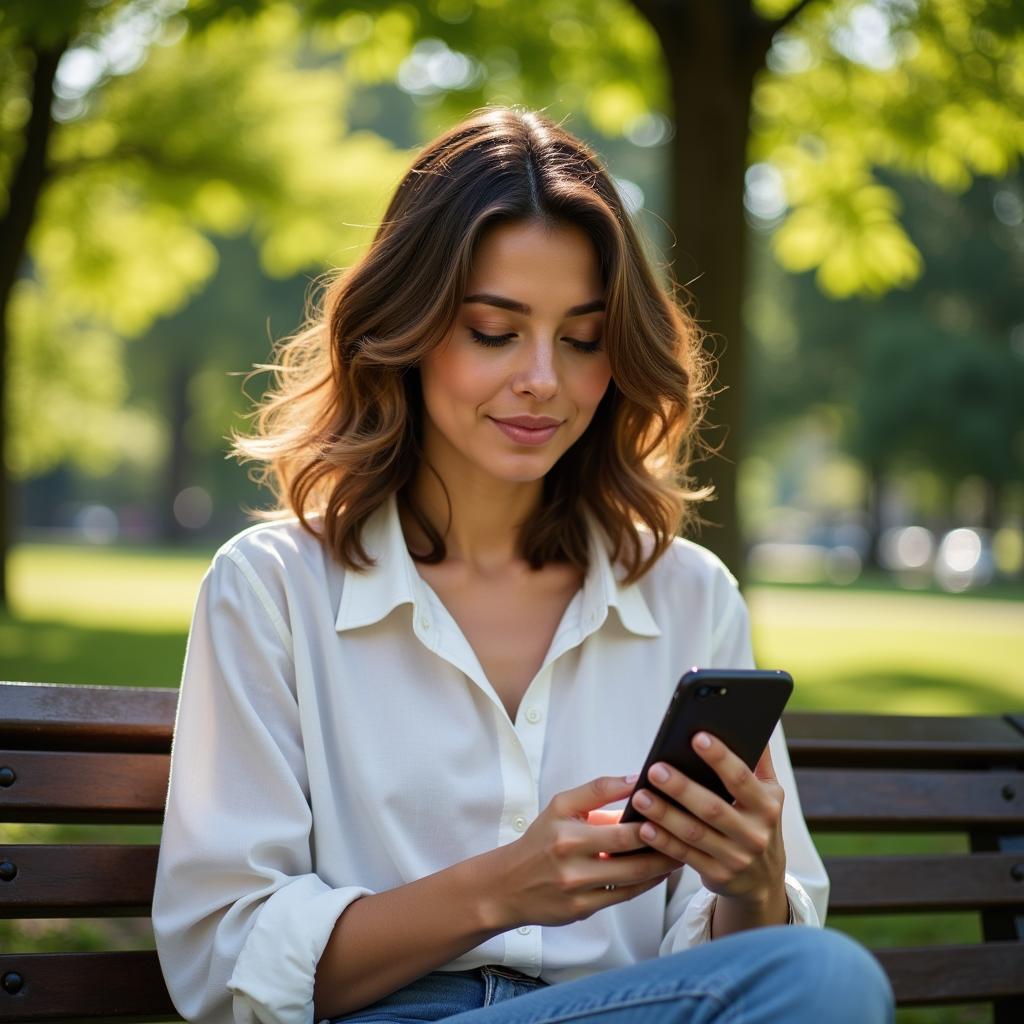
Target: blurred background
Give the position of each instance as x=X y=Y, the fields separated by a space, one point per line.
x=838 y=182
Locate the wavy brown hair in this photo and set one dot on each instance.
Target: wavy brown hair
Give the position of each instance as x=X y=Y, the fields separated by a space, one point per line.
x=341 y=428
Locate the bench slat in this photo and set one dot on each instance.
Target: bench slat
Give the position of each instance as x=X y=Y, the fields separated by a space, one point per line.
x=78 y=881
x=818 y=739
x=837 y=799
x=94 y=987
x=84 y=787
x=932 y=976
x=92 y=880
x=79 y=717
x=937 y=882
x=66 y=716
x=129 y=986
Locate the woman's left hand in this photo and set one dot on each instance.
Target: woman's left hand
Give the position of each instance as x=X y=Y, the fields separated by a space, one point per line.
x=736 y=848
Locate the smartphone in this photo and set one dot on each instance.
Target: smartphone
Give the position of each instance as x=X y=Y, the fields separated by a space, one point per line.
x=741 y=707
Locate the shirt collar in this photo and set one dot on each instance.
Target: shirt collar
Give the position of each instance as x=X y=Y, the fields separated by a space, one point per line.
x=368 y=596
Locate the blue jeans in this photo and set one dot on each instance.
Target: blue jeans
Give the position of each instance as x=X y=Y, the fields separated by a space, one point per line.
x=784 y=975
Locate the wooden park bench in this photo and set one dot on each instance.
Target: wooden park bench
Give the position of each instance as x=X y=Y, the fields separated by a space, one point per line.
x=93 y=754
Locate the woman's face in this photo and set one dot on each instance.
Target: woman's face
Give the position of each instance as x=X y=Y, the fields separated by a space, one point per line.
x=518 y=378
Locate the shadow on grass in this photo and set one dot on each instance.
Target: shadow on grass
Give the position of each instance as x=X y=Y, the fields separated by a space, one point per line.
x=56 y=652
x=878 y=582
x=903 y=692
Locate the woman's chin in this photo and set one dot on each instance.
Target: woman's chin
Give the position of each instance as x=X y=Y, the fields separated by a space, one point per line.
x=527 y=468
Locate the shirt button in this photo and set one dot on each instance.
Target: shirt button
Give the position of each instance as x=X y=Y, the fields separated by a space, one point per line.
x=519 y=824
x=533 y=715
x=525 y=930
x=424 y=623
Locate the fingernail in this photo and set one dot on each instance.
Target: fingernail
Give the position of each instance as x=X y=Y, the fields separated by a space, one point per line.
x=647 y=832
x=703 y=740
x=630 y=778
x=641 y=800
x=659 y=773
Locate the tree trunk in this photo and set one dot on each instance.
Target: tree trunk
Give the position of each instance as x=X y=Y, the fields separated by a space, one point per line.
x=172 y=532
x=23 y=199
x=713 y=51
x=876 y=481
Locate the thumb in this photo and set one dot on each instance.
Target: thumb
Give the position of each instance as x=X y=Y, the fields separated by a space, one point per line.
x=578 y=802
x=765 y=769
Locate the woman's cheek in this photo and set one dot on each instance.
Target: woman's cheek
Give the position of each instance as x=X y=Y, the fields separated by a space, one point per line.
x=459 y=377
x=595 y=385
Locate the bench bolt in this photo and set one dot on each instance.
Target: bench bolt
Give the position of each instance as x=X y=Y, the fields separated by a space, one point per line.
x=1017 y=872
x=12 y=982
x=7 y=870
x=1009 y=792
x=7 y=776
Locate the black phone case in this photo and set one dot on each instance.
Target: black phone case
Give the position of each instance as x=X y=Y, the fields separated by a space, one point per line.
x=741 y=707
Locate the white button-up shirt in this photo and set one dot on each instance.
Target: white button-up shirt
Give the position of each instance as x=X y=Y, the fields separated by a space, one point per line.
x=336 y=737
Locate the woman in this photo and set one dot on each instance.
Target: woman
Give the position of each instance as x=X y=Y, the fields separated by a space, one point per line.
x=409 y=696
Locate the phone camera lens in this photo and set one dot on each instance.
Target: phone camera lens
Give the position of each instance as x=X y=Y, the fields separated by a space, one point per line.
x=703 y=692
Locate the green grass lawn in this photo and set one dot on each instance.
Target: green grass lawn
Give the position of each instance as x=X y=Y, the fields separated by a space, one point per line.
x=893 y=652
x=120 y=616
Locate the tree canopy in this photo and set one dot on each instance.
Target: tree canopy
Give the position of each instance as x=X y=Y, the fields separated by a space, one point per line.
x=140 y=130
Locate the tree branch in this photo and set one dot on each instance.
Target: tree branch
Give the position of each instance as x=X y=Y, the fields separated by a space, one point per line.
x=762 y=32
x=789 y=16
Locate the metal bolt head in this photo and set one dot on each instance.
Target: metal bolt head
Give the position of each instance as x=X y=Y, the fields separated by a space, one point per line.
x=1017 y=872
x=7 y=776
x=12 y=982
x=1009 y=793
x=7 y=870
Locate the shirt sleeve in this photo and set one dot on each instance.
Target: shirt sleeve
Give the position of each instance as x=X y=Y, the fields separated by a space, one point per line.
x=240 y=916
x=690 y=905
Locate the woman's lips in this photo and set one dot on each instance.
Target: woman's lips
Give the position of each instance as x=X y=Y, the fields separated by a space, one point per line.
x=517 y=430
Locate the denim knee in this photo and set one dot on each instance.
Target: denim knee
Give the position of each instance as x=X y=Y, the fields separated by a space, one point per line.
x=841 y=973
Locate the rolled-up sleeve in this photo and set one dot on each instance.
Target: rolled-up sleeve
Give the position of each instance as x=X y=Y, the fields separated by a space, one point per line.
x=691 y=906
x=239 y=914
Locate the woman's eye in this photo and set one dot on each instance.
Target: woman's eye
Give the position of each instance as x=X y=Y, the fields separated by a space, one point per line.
x=497 y=340
x=491 y=340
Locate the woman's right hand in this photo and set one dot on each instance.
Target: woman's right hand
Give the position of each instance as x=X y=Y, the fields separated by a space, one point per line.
x=555 y=873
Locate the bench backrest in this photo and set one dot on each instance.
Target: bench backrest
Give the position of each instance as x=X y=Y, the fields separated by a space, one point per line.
x=100 y=755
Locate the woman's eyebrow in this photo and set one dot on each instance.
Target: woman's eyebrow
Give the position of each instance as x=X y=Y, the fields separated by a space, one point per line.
x=594 y=306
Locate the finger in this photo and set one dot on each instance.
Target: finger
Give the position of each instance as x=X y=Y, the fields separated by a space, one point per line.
x=610 y=839
x=764 y=769
x=710 y=870
x=666 y=842
x=746 y=788
x=680 y=832
x=598 y=898
x=577 y=802
x=622 y=893
x=638 y=870
x=706 y=865
x=707 y=807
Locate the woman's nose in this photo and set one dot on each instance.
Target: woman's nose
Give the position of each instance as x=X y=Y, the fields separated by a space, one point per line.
x=538 y=374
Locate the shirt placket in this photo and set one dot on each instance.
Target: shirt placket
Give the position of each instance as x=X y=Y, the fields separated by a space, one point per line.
x=521 y=750
x=520 y=744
